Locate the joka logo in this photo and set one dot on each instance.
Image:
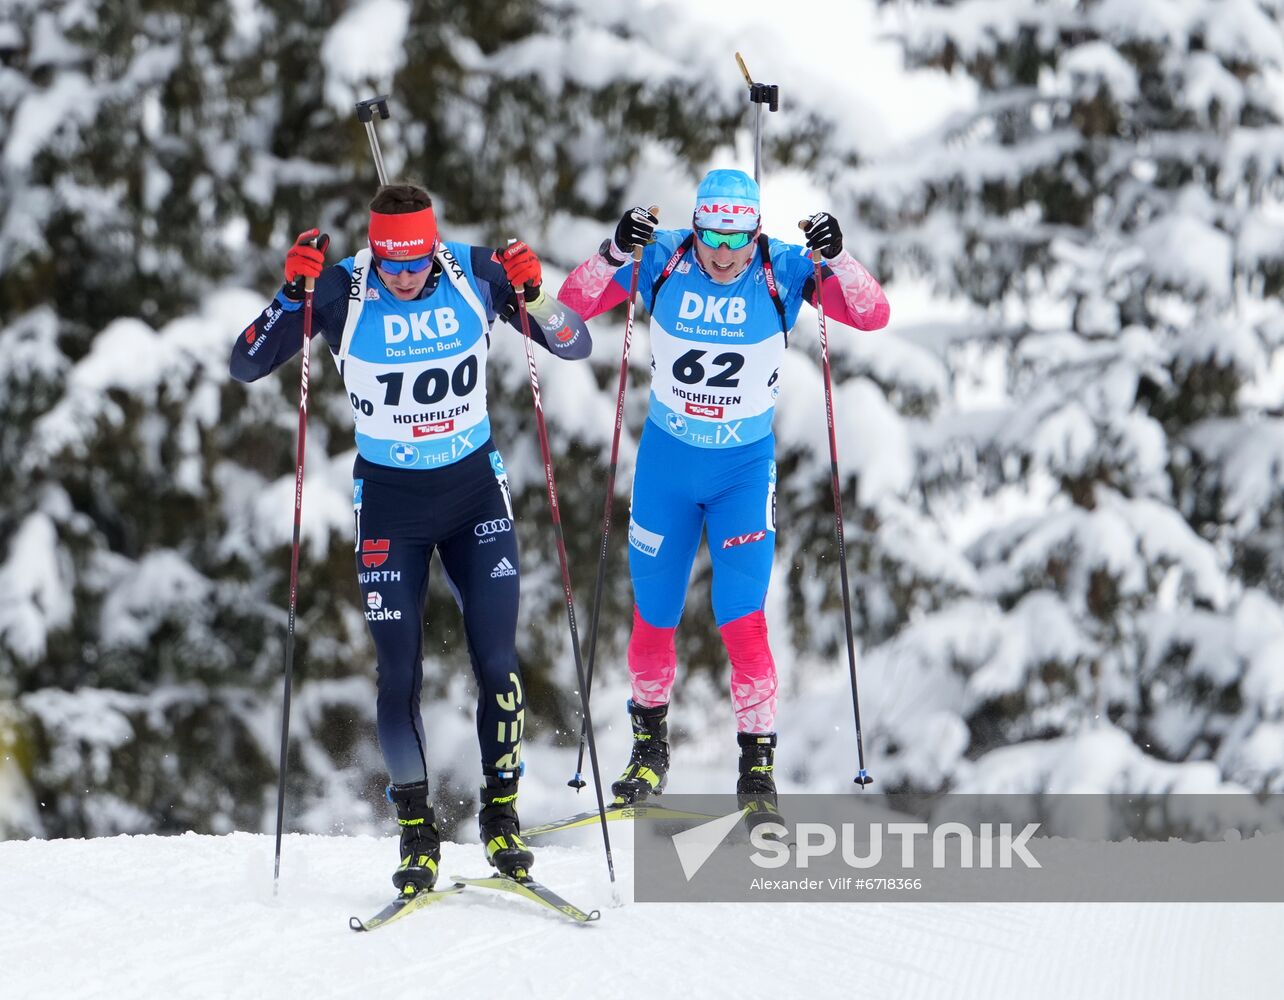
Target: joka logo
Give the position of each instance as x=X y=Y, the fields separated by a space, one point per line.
x=503 y=568
x=492 y=527
x=734 y=540
x=354 y=283
x=404 y=454
x=712 y=412
x=374 y=552
x=427 y=430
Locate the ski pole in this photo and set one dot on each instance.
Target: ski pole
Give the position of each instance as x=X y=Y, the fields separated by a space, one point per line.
x=566 y=569
x=308 y=287
x=759 y=94
x=577 y=781
x=862 y=778
x=366 y=111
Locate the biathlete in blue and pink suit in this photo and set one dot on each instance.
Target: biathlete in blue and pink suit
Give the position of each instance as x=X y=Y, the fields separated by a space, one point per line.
x=723 y=297
x=408 y=321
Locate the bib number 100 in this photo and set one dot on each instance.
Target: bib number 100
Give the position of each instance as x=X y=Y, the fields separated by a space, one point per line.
x=431 y=384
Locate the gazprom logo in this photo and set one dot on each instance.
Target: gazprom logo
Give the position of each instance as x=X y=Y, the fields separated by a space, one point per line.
x=646 y=542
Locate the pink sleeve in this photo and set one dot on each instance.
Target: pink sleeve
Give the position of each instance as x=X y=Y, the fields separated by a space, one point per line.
x=590 y=290
x=853 y=296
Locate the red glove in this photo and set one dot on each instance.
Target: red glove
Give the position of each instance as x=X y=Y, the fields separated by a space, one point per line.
x=521 y=265
x=305 y=260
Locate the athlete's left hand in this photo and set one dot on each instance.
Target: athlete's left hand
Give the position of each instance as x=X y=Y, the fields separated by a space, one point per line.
x=824 y=235
x=522 y=267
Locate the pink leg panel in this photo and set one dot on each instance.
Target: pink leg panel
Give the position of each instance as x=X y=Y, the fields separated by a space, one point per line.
x=652 y=662
x=753 y=673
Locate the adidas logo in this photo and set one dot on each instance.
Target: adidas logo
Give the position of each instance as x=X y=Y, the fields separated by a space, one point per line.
x=503 y=568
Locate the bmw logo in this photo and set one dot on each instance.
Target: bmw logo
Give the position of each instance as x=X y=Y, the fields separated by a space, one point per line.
x=404 y=454
x=676 y=423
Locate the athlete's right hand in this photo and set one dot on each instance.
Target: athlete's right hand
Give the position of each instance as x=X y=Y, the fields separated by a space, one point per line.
x=305 y=260
x=636 y=229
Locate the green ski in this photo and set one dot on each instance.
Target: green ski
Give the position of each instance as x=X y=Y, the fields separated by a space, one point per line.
x=403 y=905
x=536 y=892
x=613 y=812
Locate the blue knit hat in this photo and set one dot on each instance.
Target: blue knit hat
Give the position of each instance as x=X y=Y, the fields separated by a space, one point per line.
x=728 y=200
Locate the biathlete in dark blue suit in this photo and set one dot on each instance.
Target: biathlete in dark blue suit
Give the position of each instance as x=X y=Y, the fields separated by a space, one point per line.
x=408 y=321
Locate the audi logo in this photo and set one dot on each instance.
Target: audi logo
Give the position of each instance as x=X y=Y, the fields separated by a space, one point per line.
x=492 y=527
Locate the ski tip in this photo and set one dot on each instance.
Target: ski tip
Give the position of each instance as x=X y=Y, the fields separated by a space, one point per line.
x=356 y=924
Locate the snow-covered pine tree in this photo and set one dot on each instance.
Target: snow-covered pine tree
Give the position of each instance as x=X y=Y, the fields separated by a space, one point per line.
x=1105 y=450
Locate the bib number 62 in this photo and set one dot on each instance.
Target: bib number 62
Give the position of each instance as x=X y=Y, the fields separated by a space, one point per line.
x=689 y=371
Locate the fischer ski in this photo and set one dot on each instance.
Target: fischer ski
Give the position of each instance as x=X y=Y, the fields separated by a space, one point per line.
x=527 y=888
x=613 y=812
x=403 y=905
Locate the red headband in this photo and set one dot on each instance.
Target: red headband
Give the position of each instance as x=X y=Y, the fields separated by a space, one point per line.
x=407 y=234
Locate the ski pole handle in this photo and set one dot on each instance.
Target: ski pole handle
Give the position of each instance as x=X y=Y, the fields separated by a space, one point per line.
x=366 y=115
x=805 y=225
x=638 y=248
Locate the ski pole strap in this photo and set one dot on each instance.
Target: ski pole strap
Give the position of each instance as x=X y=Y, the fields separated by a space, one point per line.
x=770 y=275
x=678 y=254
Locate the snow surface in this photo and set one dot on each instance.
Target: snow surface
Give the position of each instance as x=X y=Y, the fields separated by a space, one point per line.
x=195 y=917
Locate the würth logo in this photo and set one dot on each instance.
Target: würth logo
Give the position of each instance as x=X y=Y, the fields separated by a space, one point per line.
x=697 y=410
x=734 y=540
x=374 y=552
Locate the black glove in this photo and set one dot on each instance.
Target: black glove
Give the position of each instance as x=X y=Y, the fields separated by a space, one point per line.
x=824 y=235
x=636 y=229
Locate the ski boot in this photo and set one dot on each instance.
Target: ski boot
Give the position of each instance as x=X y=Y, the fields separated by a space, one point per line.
x=648 y=769
x=420 y=840
x=500 y=827
x=755 y=788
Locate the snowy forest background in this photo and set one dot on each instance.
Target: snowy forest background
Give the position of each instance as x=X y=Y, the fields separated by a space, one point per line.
x=1062 y=461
